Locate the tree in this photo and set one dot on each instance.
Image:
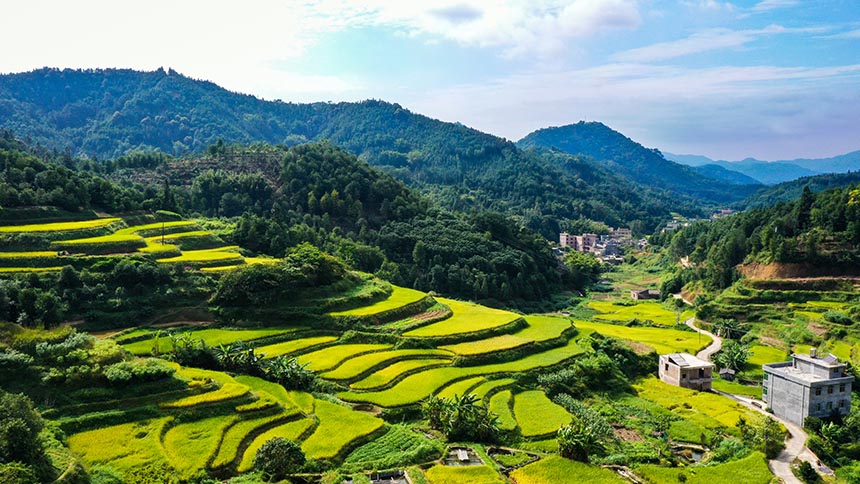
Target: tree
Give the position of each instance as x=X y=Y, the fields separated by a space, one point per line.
x=583 y=269
x=462 y=417
x=279 y=457
x=289 y=373
x=734 y=355
x=17 y=473
x=588 y=432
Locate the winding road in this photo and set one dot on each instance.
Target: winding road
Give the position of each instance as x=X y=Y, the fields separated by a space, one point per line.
x=795 y=444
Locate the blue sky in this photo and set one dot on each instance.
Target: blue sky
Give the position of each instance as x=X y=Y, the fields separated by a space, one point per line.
x=772 y=79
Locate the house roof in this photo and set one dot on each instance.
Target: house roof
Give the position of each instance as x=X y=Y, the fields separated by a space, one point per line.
x=686 y=360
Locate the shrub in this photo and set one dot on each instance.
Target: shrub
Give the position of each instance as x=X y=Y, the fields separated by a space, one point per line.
x=279 y=456
x=17 y=473
x=149 y=369
x=838 y=317
x=462 y=418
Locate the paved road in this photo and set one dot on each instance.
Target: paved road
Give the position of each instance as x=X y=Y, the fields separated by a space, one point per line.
x=712 y=348
x=795 y=444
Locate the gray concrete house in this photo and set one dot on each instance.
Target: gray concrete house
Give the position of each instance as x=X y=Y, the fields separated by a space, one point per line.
x=685 y=370
x=807 y=386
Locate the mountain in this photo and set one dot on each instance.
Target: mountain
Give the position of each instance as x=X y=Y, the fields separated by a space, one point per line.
x=791 y=190
x=718 y=172
x=774 y=172
x=108 y=113
x=643 y=165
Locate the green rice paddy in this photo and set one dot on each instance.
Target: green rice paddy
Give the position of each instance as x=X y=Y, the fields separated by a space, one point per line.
x=488 y=387
x=210 y=336
x=648 y=310
x=338 y=427
x=60 y=226
x=662 y=340
x=290 y=430
x=328 y=358
x=554 y=469
x=749 y=470
x=537 y=415
x=441 y=474
x=358 y=365
x=292 y=346
x=500 y=404
x=400 y=296
x=461 y=387
x=467 y=318
x=392 y=372
x=221 y=254
x=418 y=386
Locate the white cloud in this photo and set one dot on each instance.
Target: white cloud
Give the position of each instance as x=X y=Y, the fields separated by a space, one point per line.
x=708 y=40
x=729 y=112
x=768 y=5
x=517 y=27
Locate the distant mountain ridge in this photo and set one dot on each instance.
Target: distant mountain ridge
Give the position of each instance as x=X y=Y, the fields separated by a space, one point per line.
x=774 y=172
x=105 y=113
x=643 y=165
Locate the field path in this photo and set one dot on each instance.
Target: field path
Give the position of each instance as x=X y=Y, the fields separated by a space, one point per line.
x=712 y=348
x=795 y=444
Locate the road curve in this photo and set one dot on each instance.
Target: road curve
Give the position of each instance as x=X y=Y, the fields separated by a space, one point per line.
x=712 y=348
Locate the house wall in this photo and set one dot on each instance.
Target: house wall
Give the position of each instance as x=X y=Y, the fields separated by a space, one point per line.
x=794 y=401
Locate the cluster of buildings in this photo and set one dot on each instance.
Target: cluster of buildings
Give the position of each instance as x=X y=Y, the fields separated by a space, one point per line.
x=793 y=390
x=605 y=247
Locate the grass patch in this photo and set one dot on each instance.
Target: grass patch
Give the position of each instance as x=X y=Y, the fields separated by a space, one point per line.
x=292 y=346
x=328 y=358
x=736 y=388
x=290 y=430
x=500 y=404
x=440 y=474
x=749 y=470
x=102 y=239
x=339 y=426
x=555 y=469
x=358 y=365
x=537 y=415
x=663 y=340
x=400 y=445
x=544 y=328
x=391 y=372
x=467 y=318
x=416 y=387
x=763 y=355
x=709 y=410
x=400 y=296
x=59 y=226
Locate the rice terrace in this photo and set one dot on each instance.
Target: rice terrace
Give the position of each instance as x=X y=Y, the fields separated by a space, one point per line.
x=372 y=365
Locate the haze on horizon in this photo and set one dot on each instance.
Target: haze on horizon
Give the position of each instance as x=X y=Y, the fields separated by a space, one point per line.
x=771 y=79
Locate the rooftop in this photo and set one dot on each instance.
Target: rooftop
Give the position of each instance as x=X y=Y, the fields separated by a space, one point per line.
x=829 y=361
x=686 y=360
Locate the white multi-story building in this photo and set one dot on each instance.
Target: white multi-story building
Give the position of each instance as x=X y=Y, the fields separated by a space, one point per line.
x=807 y=386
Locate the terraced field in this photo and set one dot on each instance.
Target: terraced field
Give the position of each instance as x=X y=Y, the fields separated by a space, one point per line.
x=539 y=329
x=60 y=226
x=356 y=366
x=660 y=339
x=467 y=318
x=419 y=386
x=210 y=336
x=293 y=346
x=390 y=373
x=328 y=358
x=554 y=469
x=211 y=429
x=643 y=311
x=400 y=296
x=537 y=415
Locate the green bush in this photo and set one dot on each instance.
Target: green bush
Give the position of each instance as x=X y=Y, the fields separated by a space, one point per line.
x=134 y=371
x=838 y=317
x=279 y=456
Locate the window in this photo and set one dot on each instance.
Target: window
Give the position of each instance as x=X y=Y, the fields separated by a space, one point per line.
x=841 y=403
x=701 y=373
x=830 y=389
x=764 y=390
x=666 y=368
x=683 y=376
x=841 y=387
x=818 y=391
x=829 y=405
x=818 y=406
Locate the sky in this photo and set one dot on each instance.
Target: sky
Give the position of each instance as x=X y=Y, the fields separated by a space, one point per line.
x=770 y=79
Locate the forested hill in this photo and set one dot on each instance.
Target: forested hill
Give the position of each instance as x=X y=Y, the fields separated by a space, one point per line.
x=791 y=190
x=107 y=113
x=643 y=165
